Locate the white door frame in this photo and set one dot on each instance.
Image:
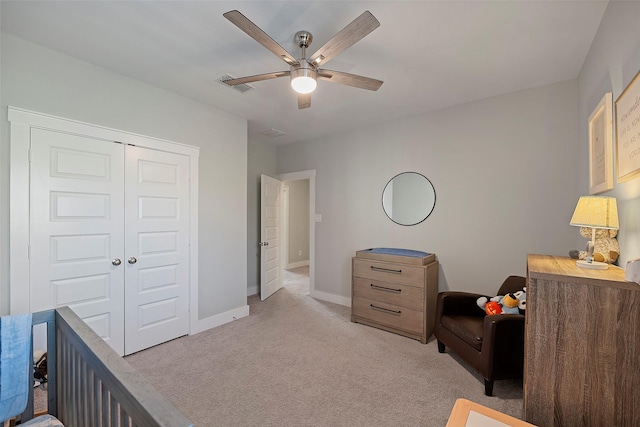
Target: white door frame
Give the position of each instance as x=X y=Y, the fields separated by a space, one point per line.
x=21 y=121
x=284 y=253
x=311 y=176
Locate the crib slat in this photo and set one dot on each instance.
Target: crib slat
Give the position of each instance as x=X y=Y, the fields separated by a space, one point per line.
x=52 y=378
x=105 y=406
x=84 y=392
x=97 y=402
x=114 y=420
x=124 y=418
x=60 y=372
x=66 y=380
x=91 y=397
x=74 y=385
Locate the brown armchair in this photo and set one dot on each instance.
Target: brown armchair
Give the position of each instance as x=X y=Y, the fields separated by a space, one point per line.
x=491 y=344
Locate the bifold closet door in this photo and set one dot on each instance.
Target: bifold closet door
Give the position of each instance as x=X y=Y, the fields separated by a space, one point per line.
x=157 y=247
x=76 y=230
x=109 y=228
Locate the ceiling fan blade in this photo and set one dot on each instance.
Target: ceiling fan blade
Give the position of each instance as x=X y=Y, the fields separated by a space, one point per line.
x=256 y=78
x=350 y=79
x=349 y=35
x=304 y=100
x=242 y=22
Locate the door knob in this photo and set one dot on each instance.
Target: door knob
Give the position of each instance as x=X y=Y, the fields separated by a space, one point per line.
x=132 y=260
x=116 y=261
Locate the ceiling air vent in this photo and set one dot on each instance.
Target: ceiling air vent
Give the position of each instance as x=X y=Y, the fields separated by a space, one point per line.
x=272 y=133
x=242 y=88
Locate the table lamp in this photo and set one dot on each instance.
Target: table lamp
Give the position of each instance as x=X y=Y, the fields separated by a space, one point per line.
x=595 y=212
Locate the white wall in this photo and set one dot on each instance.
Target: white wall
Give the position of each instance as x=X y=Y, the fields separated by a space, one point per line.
x=261 y=160
x=612 y=62
x=46 y=81
x=504 y=173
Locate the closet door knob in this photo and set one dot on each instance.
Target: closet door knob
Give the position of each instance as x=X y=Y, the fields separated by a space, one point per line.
x=116 y=261
x=132 y=260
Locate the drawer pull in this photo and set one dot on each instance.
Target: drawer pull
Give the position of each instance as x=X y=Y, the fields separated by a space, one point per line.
x=386 y=310
x=386 y=270
x=382 y=288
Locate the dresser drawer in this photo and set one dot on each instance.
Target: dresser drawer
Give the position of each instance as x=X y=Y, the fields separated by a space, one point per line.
x=389 y=272
x=391 y=293
x=389 y=315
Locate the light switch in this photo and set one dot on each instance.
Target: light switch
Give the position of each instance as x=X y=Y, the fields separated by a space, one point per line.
x=318 y=218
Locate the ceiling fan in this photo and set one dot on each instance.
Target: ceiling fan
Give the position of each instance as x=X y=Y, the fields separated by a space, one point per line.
x=304 y=71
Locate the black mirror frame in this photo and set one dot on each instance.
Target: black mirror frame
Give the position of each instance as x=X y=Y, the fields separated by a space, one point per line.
x=432 y=207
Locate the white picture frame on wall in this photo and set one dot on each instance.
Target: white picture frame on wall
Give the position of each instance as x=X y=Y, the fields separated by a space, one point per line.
x=601 y=146
x=627 y=108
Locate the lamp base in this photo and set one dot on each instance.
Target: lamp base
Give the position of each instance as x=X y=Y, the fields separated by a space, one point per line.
x=594 y=265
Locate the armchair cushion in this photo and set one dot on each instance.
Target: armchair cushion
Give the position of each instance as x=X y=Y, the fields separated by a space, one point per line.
x=467 y=328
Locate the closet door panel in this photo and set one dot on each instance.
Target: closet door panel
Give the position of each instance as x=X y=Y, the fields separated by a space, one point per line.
x=76 y=223
x=157 y=245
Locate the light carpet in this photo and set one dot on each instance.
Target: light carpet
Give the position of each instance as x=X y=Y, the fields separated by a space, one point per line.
x=297 y=361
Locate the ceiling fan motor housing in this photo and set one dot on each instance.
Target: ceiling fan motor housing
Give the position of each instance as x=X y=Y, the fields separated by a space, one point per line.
x=303 y=39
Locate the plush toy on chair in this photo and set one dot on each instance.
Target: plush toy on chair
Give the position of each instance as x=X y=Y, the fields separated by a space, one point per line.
x=511 y=303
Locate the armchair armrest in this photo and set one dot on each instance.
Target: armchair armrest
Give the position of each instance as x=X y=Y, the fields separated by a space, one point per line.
x=458 y=303
x=503 y=345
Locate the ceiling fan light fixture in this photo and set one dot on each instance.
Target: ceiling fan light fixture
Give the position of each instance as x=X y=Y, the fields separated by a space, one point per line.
x=303 y=79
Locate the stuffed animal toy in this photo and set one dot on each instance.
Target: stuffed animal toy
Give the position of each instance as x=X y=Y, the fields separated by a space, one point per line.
x=512 y=303
x=605 y=248
x=522 y=300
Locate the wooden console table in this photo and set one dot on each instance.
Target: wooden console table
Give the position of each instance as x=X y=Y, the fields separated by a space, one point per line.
x=582 y=346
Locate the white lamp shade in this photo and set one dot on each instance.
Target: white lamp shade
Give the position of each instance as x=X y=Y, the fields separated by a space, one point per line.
x=596 y=212
x=303 y=79
x=303 y=84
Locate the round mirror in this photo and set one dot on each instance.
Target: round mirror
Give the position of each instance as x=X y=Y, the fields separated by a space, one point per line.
x=408 y=198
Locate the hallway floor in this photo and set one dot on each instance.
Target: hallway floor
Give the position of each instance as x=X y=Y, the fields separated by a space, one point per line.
x=296 y=280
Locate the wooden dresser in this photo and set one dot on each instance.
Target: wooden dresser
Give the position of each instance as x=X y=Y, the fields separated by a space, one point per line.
x=582 y=351
x=395 y=293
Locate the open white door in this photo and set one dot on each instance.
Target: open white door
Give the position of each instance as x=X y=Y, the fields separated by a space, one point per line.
x=270 y=229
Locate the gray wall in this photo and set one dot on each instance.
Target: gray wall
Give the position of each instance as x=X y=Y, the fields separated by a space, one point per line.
x=504 y=173
x=298 y=233
x=46 y=81
x=261 y=159
x=613 y=61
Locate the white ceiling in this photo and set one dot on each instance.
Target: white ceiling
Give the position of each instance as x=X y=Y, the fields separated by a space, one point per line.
x=430 y=54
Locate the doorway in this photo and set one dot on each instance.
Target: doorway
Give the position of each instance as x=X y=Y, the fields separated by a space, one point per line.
x=295 y=236
x=299 y=231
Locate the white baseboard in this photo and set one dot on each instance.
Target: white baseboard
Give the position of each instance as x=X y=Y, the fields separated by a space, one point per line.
x=297 y=264
x=221 y=319
x=336 y=299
